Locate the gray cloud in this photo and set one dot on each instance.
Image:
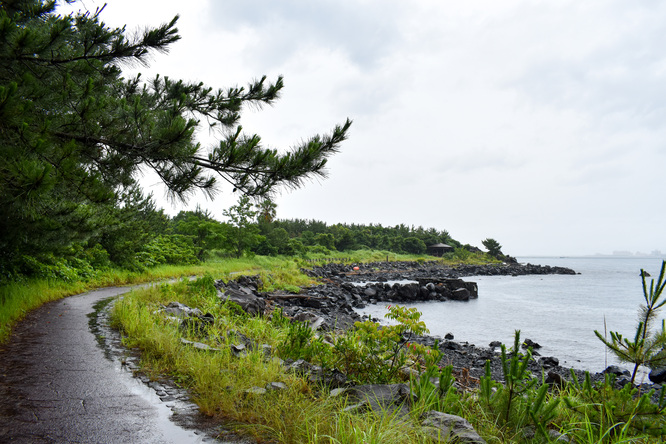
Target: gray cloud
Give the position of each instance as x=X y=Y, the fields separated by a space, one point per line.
x=618 y=73
x=365 y=31
x=538 y=123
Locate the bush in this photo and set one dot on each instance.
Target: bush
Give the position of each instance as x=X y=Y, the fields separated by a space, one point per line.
x=50 y=267
x=173 y=249
x=318 y=249
x=98 y=257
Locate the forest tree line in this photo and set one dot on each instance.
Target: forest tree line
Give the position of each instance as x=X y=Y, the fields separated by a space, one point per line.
x=136 y=235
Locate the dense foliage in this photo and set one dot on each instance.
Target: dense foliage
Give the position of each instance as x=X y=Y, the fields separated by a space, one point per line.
x=249 y=231
x=400 y=238
x=75 y=134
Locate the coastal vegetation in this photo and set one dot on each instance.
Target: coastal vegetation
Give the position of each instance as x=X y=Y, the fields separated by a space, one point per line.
x=514 y=406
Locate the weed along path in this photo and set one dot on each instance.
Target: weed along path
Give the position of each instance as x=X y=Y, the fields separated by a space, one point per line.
x=61 y=380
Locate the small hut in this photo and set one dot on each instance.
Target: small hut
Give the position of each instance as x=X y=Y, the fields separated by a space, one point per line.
x=439 y=249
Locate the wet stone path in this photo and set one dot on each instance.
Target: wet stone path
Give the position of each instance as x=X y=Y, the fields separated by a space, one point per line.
x=64 y=378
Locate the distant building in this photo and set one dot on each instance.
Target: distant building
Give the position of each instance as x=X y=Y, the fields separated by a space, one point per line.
x=439 y=249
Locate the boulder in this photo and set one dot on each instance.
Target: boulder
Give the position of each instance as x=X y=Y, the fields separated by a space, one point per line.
x=237 y=337
x=530 y=343
x=198 y=345
x=313 y=320
x=473 y=289
x=445 y=427
x=408 y=292
x=330 y=378
x=549 y=361
x=252 y=282
x=658 y=375
x=238 y=350
x=272 y=386
x=181 y=310
x=198 y=324
x=617 y=371
x=244 y=291
x=380 y=398
x=555 y=379
x=190 y=319
x=302 y=367
x=460 y=294
x=250 y=303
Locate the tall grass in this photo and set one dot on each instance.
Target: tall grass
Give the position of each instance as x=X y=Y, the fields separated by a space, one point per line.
x=19 y=298
x=223 y=384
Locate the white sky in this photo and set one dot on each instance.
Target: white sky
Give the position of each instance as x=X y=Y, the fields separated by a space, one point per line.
x=541 y=124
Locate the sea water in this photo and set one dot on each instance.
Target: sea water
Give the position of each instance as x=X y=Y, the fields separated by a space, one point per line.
x=559 y=312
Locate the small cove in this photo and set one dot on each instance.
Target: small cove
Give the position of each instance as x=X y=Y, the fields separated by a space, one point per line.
x=560 y=312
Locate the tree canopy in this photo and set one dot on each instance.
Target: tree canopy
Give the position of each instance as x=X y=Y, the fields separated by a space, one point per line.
x=74 y=133
x=494 y=247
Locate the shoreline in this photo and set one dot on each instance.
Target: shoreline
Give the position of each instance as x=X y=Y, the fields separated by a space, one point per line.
x=336 y=303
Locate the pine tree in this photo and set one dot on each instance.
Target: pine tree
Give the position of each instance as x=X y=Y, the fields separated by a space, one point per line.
x=494 y=247
x=648 y=347
x=74 y=132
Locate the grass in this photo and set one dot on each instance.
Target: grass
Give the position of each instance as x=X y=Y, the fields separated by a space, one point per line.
x=19 y=298
x=222 y=383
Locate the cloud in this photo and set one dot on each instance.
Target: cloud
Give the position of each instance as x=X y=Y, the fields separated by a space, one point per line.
x=365 y=31
x=540 y=124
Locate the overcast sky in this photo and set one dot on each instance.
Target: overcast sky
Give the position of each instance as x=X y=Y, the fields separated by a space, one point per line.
x=541 y=124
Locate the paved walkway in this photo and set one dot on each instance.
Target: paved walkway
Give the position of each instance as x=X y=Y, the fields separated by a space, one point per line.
x=57 y=385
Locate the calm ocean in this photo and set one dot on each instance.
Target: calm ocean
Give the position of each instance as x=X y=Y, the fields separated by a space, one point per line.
x=560 y=312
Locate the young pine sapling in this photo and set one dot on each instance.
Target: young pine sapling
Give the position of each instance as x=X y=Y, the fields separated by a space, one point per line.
x=647 y=347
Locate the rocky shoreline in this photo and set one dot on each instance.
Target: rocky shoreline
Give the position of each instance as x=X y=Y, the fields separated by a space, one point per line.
x=392 y=271
x=347 y=287
x=331 y=306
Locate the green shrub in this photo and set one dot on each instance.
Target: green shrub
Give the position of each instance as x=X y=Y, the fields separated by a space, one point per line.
x=172 y=249
x=50 y=267
x=98 y=257
x=373 y=353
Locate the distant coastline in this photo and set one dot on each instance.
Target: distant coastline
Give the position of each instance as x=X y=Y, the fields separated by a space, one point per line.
x=616 y=254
